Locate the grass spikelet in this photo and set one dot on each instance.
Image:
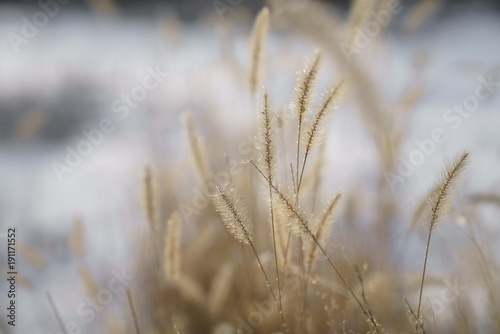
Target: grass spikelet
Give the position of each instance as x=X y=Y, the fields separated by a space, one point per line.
x=439 y=204
x=257 y=42
x=149 y=197
x=420 y=210
x=266 y=140
x=75 y=239
x=322 y=229
x=358 y=16
x=171 y=255
x=236 y=219
x=132 y=310
x=191 y=290
x=291 y=214
x=321 y=232
x=306 y=86
x=196 y=147
x=111 y=325
x=300 y=224
x=316 y=131
x=234 y=214
x=305 y=89
x=324 y=112
x=220 y=287
x=421 y=12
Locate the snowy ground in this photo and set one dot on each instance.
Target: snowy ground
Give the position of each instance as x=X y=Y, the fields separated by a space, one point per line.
x=76 y=66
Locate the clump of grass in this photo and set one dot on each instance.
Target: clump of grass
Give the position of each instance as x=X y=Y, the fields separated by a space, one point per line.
x=439 y=201
x=335 y=270
x=257 y=42
x=236 y=219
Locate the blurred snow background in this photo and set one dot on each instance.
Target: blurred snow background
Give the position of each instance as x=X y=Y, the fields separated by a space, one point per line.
x=66 y=78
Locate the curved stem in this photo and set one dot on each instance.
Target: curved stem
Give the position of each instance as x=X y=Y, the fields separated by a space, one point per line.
x=423 y=278
x=302 y=171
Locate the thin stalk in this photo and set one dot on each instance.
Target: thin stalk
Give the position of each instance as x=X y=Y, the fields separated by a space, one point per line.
x=422 y=283
x=276 y=256
x=293 y=178
x=308 y=231
x=298 y=155
x=132 y=309
x=302 y=172
x=264 y=272
x=56 y=313
x=303 y=284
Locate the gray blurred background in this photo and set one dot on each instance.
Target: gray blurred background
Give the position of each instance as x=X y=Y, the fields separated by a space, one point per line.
x=65 y=79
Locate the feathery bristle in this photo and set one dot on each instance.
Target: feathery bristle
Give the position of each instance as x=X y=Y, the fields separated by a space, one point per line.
x=149 y=197
x=257 y=42
x=281 y=239
x=316 y=131
x=132 y=310
x=266 y=141
x=171 y=256
x=234 y=213
x=306 y=86
x=196 y=147
x=420 y=210
x=439 y=201
x=291 y=213
x=88 y=281
x=322 y=229
x=305 y=90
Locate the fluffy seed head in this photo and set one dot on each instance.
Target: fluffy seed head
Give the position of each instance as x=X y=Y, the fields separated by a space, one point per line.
x=234 y=213
x=171 y=256
x=257 y=42
x=291 y=214
x=306 y=86
x=266 y=140
x=149 y=197
x=317 y=128
x=439 y=201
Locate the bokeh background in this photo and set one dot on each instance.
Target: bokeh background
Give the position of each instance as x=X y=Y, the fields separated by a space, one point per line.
x=65 y=79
